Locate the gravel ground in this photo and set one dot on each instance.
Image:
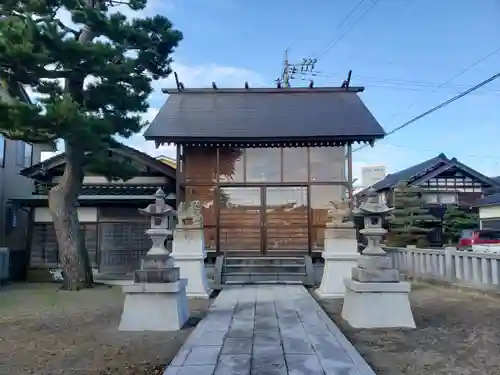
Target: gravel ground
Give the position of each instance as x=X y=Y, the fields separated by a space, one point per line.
x=458 y=333
x=44 y=330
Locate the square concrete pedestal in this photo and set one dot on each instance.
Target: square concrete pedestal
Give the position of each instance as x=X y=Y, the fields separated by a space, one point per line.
x=340 y=255
x=377 y=305
x=155 y=306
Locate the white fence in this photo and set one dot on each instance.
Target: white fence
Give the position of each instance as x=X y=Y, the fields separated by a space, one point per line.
x=463 y=267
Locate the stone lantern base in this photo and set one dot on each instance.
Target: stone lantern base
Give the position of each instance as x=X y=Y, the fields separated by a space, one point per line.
x=155 y=307
x=157 y=300
x=377 y=305
x=375 y=298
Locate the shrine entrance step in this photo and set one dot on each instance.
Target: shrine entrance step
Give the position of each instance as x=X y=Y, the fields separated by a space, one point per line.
x=264 y=270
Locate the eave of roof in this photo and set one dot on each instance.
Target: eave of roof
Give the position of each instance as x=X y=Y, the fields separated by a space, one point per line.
x=88 y=199
x=488 y=200
x=270 y=117
x=122 y=149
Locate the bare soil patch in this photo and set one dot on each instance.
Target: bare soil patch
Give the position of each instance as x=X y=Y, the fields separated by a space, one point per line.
x=44 y=330
x=458 y=333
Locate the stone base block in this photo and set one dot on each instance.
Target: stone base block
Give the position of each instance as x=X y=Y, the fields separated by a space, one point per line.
x=154 y=307
x=157 y=275
x=337 y=268
x=381 y=262
x=377 y=305
x=157 y=261
x=192 y=268
x=375 y=276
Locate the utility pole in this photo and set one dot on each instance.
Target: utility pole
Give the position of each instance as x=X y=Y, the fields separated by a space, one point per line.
x=307 y=66
x=285 y=75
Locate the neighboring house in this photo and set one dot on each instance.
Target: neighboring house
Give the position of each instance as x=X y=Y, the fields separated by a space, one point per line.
x=114 y=231
x=443 y=182
x=489 y=211
x=265 y=163
x=15 y=156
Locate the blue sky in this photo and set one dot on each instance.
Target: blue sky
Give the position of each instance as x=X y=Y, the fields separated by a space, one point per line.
x=401 y=50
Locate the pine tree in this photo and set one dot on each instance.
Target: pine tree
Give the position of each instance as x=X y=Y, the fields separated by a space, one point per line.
x=456 y=219
x=94 y=76
x=408 y=224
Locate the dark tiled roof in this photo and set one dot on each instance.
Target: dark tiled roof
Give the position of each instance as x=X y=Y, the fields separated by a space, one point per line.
x=264 y=115
x=392 y=180
x=110 y=189
x=125 y=150
x=489 y=200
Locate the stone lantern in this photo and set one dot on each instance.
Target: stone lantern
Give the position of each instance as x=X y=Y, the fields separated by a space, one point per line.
x=375 y=297
x=157 y=300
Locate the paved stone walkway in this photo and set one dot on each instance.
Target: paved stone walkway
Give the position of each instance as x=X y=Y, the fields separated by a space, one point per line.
x=267 y=330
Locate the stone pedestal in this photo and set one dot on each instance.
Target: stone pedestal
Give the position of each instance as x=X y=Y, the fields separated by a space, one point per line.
x=157 y=300
x=188 y=252
x=155 y=306
x=340 y=255
x=375 y=297
x=377 y=305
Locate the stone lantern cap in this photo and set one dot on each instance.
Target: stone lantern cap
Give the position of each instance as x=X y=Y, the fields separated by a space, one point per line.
x=373 y=206
x=159 y=208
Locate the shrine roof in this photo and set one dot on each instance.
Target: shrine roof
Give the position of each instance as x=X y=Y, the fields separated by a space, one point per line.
x=272 y=116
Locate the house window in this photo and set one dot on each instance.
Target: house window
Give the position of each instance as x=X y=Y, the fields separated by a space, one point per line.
x=2 y=151
x=431 y=198
x=24 y=154
x=448 y=198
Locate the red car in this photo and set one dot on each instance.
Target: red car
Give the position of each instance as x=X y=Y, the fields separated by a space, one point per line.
x=471 y=237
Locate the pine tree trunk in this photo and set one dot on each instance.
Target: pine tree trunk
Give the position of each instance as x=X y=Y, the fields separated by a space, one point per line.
x=63 y=202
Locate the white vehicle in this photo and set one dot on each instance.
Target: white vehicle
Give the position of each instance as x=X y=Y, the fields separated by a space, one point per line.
x=486 y=248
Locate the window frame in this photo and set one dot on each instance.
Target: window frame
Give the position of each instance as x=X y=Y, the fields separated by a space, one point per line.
x=3 y=142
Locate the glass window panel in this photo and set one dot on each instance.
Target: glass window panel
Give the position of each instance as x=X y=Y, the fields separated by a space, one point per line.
x=318 y=238
x=327 y=164
x=295 y=164
x=263 y=164
x=2 y=151
x=206 y=196
x=231 y=164
x=200 y=164
x=321 y=195
x=28 y=155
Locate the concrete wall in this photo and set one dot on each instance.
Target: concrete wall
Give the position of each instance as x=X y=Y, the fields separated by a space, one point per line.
x=13 y=185
x=489 y=212
x=85 y=215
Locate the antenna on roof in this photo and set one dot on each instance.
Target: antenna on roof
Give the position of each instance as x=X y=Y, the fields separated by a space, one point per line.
x=214 y=86
x=177 y=83
x=311 y=84
x=181 y=86
x=347 y=82
x=246 y=85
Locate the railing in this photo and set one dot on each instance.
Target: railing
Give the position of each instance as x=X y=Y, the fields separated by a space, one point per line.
x=463 y=267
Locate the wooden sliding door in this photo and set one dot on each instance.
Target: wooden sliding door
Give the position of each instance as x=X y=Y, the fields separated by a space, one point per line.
x=286 y=219
x=240 y=219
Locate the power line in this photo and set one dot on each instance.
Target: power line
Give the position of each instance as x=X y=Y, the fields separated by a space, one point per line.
x=396 y=84
x=449 y=80
x=438 y=107
x=336 y=40
x=473 y=155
